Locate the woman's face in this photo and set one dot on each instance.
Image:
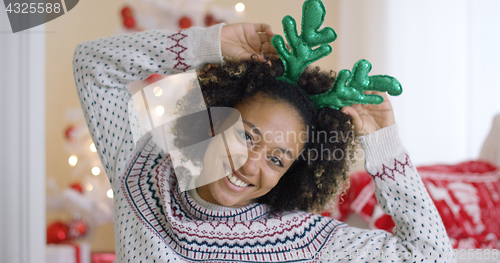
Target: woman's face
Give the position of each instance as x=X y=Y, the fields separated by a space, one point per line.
x=274 y=135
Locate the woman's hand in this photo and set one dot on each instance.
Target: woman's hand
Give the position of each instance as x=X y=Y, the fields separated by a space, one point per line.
x=369 y=118
x=241 y=41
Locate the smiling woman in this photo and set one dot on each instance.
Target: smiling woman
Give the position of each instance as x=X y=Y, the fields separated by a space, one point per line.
x=259 y=212
x=281 y=127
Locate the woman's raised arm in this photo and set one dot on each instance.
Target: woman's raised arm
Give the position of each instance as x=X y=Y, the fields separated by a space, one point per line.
x=419 y=234
x=104 y=67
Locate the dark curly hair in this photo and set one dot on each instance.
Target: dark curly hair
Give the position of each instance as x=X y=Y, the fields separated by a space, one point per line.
x=321 y=170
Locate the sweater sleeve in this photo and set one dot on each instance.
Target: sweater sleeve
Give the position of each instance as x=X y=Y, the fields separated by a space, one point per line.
x=419 y=234
x=103 y=68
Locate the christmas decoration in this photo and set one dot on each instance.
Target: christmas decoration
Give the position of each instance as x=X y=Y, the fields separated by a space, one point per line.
x=154 y=78
x=126 y=12
x=128 y=19
x=349 y=87
x=129 y=22
x=77 y=228
x=77 y=186
x=138 y=15
x=185 y=22
x=69 y=253
x=86 y=198
x=57 y=232
x=210 y=20
x=69 y=133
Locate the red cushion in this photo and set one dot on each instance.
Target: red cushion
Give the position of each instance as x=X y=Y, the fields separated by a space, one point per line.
x=467 y=196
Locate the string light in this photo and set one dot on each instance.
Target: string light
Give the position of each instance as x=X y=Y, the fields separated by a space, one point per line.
x=89 y=187
x=96 y=171
x=157 y=91
x=92 y=148
x=240 y=7
x=109 y=193
x=73 y=160
x=160 y=110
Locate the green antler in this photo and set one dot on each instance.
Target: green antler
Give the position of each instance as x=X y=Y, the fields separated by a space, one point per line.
x=348 y=88
x=302 y=53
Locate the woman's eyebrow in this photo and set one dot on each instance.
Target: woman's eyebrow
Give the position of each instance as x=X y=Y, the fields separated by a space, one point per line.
x=253 y=127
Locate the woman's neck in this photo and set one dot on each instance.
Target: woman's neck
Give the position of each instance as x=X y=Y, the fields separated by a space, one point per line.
x=194 y=193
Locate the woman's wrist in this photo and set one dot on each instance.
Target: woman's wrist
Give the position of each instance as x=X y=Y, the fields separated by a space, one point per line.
x=206 y=44
x=382 y=145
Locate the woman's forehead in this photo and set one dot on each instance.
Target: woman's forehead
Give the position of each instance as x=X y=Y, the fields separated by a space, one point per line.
x=275 y=122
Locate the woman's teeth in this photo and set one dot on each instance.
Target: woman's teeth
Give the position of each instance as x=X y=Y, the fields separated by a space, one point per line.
x=235 y=180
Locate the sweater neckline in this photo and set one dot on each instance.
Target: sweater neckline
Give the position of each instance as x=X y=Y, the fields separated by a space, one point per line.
x=211 y=213
x=193 y=193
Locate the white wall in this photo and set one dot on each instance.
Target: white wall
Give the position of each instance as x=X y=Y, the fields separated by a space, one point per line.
x=484 y=66
x=445 y=53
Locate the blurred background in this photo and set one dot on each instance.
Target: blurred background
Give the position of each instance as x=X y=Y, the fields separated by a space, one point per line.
x=445 y=53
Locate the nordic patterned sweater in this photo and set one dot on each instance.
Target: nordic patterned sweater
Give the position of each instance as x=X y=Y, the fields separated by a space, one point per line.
x=155 y=222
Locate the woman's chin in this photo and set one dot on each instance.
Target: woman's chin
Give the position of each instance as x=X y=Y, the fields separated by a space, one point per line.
x=227 y=195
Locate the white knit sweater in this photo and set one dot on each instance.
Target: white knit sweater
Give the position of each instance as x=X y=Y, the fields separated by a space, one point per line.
x=155 y=222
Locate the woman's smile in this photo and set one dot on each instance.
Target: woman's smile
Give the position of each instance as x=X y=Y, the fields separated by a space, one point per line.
x=235 y=178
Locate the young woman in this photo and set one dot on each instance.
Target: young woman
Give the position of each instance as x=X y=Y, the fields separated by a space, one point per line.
x=258 y=212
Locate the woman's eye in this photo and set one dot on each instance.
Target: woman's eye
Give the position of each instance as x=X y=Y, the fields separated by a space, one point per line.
x=276 y=161
x=245 y=136
x=248 y=137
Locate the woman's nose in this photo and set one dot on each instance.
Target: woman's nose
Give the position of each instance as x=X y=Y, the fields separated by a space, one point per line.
x=251 y=165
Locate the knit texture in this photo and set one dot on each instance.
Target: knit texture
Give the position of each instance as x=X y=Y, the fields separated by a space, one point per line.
x=155 y=222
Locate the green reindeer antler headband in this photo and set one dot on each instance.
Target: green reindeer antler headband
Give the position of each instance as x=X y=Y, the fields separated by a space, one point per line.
x=349 y=86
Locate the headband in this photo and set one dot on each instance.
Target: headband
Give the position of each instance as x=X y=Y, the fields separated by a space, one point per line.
x=349 y=86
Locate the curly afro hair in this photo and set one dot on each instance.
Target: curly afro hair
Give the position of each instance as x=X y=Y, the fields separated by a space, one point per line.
x=321 y=170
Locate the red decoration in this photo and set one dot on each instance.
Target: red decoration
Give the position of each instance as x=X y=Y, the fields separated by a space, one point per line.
x=185 y=22
x=210 y=20
x=103 y=257
x=69 y=133
x=77 y=228
x=57 y=232
x=153 y=78
x=128 y=17
x=126 y=12
x=455 y=189
x=326 y=213
x=129 y=22
x=77 y=186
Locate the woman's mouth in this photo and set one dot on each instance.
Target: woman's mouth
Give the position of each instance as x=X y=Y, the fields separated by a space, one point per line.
x=233 y=179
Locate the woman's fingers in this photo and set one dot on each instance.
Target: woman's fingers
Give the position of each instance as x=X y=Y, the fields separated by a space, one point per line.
x=264 y=28
x=268 y=48
x=245 y=40
x=265 y=33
